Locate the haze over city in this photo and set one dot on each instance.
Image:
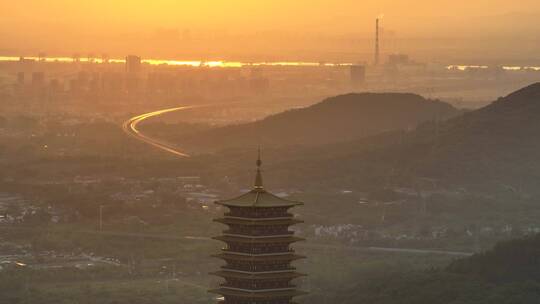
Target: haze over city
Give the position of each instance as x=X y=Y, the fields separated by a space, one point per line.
x=269 y=152
x=283 y=30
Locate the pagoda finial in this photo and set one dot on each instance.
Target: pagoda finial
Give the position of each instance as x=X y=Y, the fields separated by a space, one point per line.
x=258 y=177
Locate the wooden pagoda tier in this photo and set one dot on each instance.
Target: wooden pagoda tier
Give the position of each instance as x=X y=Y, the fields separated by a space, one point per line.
x=257 y=254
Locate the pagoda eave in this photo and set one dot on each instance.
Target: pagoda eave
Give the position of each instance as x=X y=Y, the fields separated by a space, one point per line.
x=258 y=198
x=258 y=293
x=258 y=276
x=237 y=257
x=257 y=221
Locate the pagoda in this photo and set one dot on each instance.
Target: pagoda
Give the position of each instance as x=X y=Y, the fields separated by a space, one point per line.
x=258 y=255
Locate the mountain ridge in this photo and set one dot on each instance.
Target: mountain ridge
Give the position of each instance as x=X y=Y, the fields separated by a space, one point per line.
x=335 y=119
x=490 y=148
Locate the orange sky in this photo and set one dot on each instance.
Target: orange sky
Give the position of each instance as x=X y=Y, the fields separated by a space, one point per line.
x=43 y=24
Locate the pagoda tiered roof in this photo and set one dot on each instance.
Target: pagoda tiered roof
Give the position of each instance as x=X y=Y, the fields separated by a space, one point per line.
x=262 y=293
x=258 y=197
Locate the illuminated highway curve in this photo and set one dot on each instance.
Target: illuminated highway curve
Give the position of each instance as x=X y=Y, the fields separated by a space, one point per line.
x=130 y=128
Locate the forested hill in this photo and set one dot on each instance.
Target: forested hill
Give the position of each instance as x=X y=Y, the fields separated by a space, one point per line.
x=497 y=146
x=508 y=274
x=510 y=261
x=335 y=119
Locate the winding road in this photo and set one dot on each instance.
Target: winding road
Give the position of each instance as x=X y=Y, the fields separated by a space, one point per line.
x=130 y=128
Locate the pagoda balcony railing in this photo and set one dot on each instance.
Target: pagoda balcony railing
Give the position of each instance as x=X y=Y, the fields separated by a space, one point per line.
x=258 y=290
x=258 y=269
x=291 y=269
x=259 y=216
x=262 y=251
x=258 y=254
x=258 y=286
x=258 y=233
x=258 y=266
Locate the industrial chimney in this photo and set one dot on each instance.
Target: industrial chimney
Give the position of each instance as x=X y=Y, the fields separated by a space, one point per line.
x=376 y=61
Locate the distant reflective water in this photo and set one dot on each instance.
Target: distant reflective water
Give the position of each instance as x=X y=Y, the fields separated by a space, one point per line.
x=506 y=68
x=236 y=64
x=192 y=63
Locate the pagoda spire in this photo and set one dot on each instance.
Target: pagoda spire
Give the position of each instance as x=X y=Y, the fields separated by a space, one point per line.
x=258 y=176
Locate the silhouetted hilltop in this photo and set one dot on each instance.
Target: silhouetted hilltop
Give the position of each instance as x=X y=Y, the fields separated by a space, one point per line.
x=335 y=119
x=498 y=146
x=499 y=143
x=526 y=94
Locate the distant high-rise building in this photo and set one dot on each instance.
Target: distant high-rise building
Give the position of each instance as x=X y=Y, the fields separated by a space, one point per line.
x=357 y=75
x=258 y=255
x=133 y=68
x=133 y=64
x=20 y=78
x=83 y=78
x=38 y=79
x=94 y=82
x=112 y=82
x=55 y=87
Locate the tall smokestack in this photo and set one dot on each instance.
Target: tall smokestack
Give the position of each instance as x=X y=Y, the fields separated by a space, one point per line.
x=376 y=61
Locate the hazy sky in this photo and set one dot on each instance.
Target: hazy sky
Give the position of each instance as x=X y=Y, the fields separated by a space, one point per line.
x=44 y=24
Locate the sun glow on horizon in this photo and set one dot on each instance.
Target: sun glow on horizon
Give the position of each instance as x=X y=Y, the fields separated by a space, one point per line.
x=192 y=63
